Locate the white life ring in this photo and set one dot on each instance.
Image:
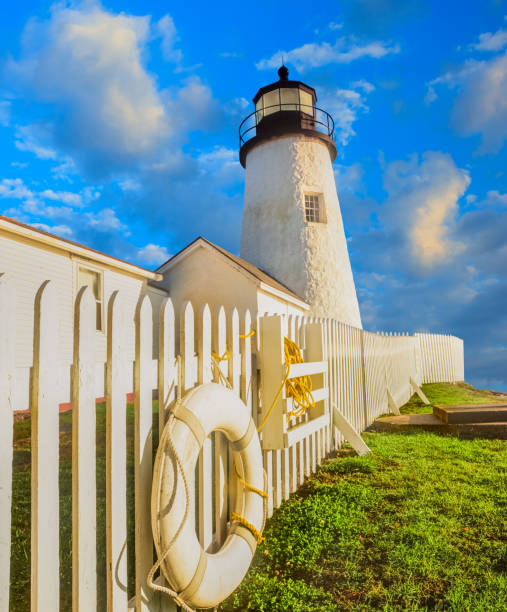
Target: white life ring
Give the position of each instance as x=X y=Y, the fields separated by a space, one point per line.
x=203 y=580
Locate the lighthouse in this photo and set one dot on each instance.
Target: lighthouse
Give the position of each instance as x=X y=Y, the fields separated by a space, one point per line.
x=292 y=224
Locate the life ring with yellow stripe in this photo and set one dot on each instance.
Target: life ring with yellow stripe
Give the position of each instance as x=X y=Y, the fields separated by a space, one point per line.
x=196 y=577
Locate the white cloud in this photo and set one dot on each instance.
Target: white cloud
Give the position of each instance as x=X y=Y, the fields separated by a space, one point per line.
x=67 y=197
x=345 y=105
x=59 y=230
x=423 y=202
x=14 y=189
x=335 y=26
x=491 y=42
x=193 y=105
x=222 y=164
x=480 y=106
x=363 y=84
x=87 y=63
x=349 y=177
x=105 y=220
x=129 y=184
x=29 y=138
x=153 y=254
x=5 y=112
x=312 y=55
x=167 y=30
x=495 y=198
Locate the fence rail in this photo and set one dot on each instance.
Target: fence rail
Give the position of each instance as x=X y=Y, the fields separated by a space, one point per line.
x=361 y=368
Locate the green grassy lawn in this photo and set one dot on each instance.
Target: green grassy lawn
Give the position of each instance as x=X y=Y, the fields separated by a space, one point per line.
x=419 y=525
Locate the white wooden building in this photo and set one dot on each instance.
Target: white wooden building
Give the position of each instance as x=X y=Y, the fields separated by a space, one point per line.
x=29 y=256
x=205 y=273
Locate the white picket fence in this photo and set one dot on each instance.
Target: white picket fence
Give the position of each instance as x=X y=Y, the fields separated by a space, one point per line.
x=362 y=368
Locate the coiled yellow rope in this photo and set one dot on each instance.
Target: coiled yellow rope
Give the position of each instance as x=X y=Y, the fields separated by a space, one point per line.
x=299 y=389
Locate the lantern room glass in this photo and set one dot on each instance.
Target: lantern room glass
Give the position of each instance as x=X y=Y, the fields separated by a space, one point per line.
x=284 y=99
x=289 y=98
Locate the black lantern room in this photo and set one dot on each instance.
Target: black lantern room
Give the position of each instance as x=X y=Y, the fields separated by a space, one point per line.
x=285 y=107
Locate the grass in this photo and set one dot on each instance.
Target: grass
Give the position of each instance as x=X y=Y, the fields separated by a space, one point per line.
x=419 y=525
x=445 y=394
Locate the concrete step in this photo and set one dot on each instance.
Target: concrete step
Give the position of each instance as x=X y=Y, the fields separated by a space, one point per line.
x=483 y=413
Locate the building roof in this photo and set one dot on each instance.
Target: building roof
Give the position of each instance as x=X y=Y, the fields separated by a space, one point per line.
x=262 y=277
x=22 y=229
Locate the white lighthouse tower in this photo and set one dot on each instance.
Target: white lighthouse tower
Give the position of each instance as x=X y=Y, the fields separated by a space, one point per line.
x=292 y=224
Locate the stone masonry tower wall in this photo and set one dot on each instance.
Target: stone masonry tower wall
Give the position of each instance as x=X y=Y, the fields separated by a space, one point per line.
x=310 y=258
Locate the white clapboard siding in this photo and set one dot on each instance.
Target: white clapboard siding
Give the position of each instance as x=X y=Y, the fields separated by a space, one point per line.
x=116 y=456
x=7 y=381
x=84 y=579
x=143 y=425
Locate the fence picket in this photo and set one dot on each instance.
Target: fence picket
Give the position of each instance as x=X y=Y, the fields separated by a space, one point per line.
x=143 y=426
x=205 y=462
x=45 y=441
x=7 y=377
x=167 y=370
x=116 y=456
x=84 y=563
x=221 y=446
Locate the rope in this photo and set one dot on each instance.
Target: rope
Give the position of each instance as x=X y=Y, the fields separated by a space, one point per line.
x=252 y=333
x=299 y=389
x=225 y=357
x=249 y=486
x=242 y=521
x=218 y=375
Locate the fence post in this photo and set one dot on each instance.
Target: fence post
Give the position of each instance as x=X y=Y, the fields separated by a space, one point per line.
x=84 y=564
x=205 y=463
x=7 y=377
x=166 y=367
x=143 y=424
x=116 y=456
x=221 y=479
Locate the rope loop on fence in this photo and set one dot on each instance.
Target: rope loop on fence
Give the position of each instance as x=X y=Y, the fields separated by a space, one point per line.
x=252 y=333
x=218 y=375
x=299 y=389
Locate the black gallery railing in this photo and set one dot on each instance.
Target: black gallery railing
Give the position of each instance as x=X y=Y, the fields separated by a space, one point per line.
x=308 y=117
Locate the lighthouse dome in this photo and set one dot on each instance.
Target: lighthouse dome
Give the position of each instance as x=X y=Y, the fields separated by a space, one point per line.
x=285 y=107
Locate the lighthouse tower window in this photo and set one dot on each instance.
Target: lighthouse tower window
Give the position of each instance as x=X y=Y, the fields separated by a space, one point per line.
x=313 y=208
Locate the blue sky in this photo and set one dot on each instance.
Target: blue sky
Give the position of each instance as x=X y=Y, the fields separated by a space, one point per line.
x=118 y=129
